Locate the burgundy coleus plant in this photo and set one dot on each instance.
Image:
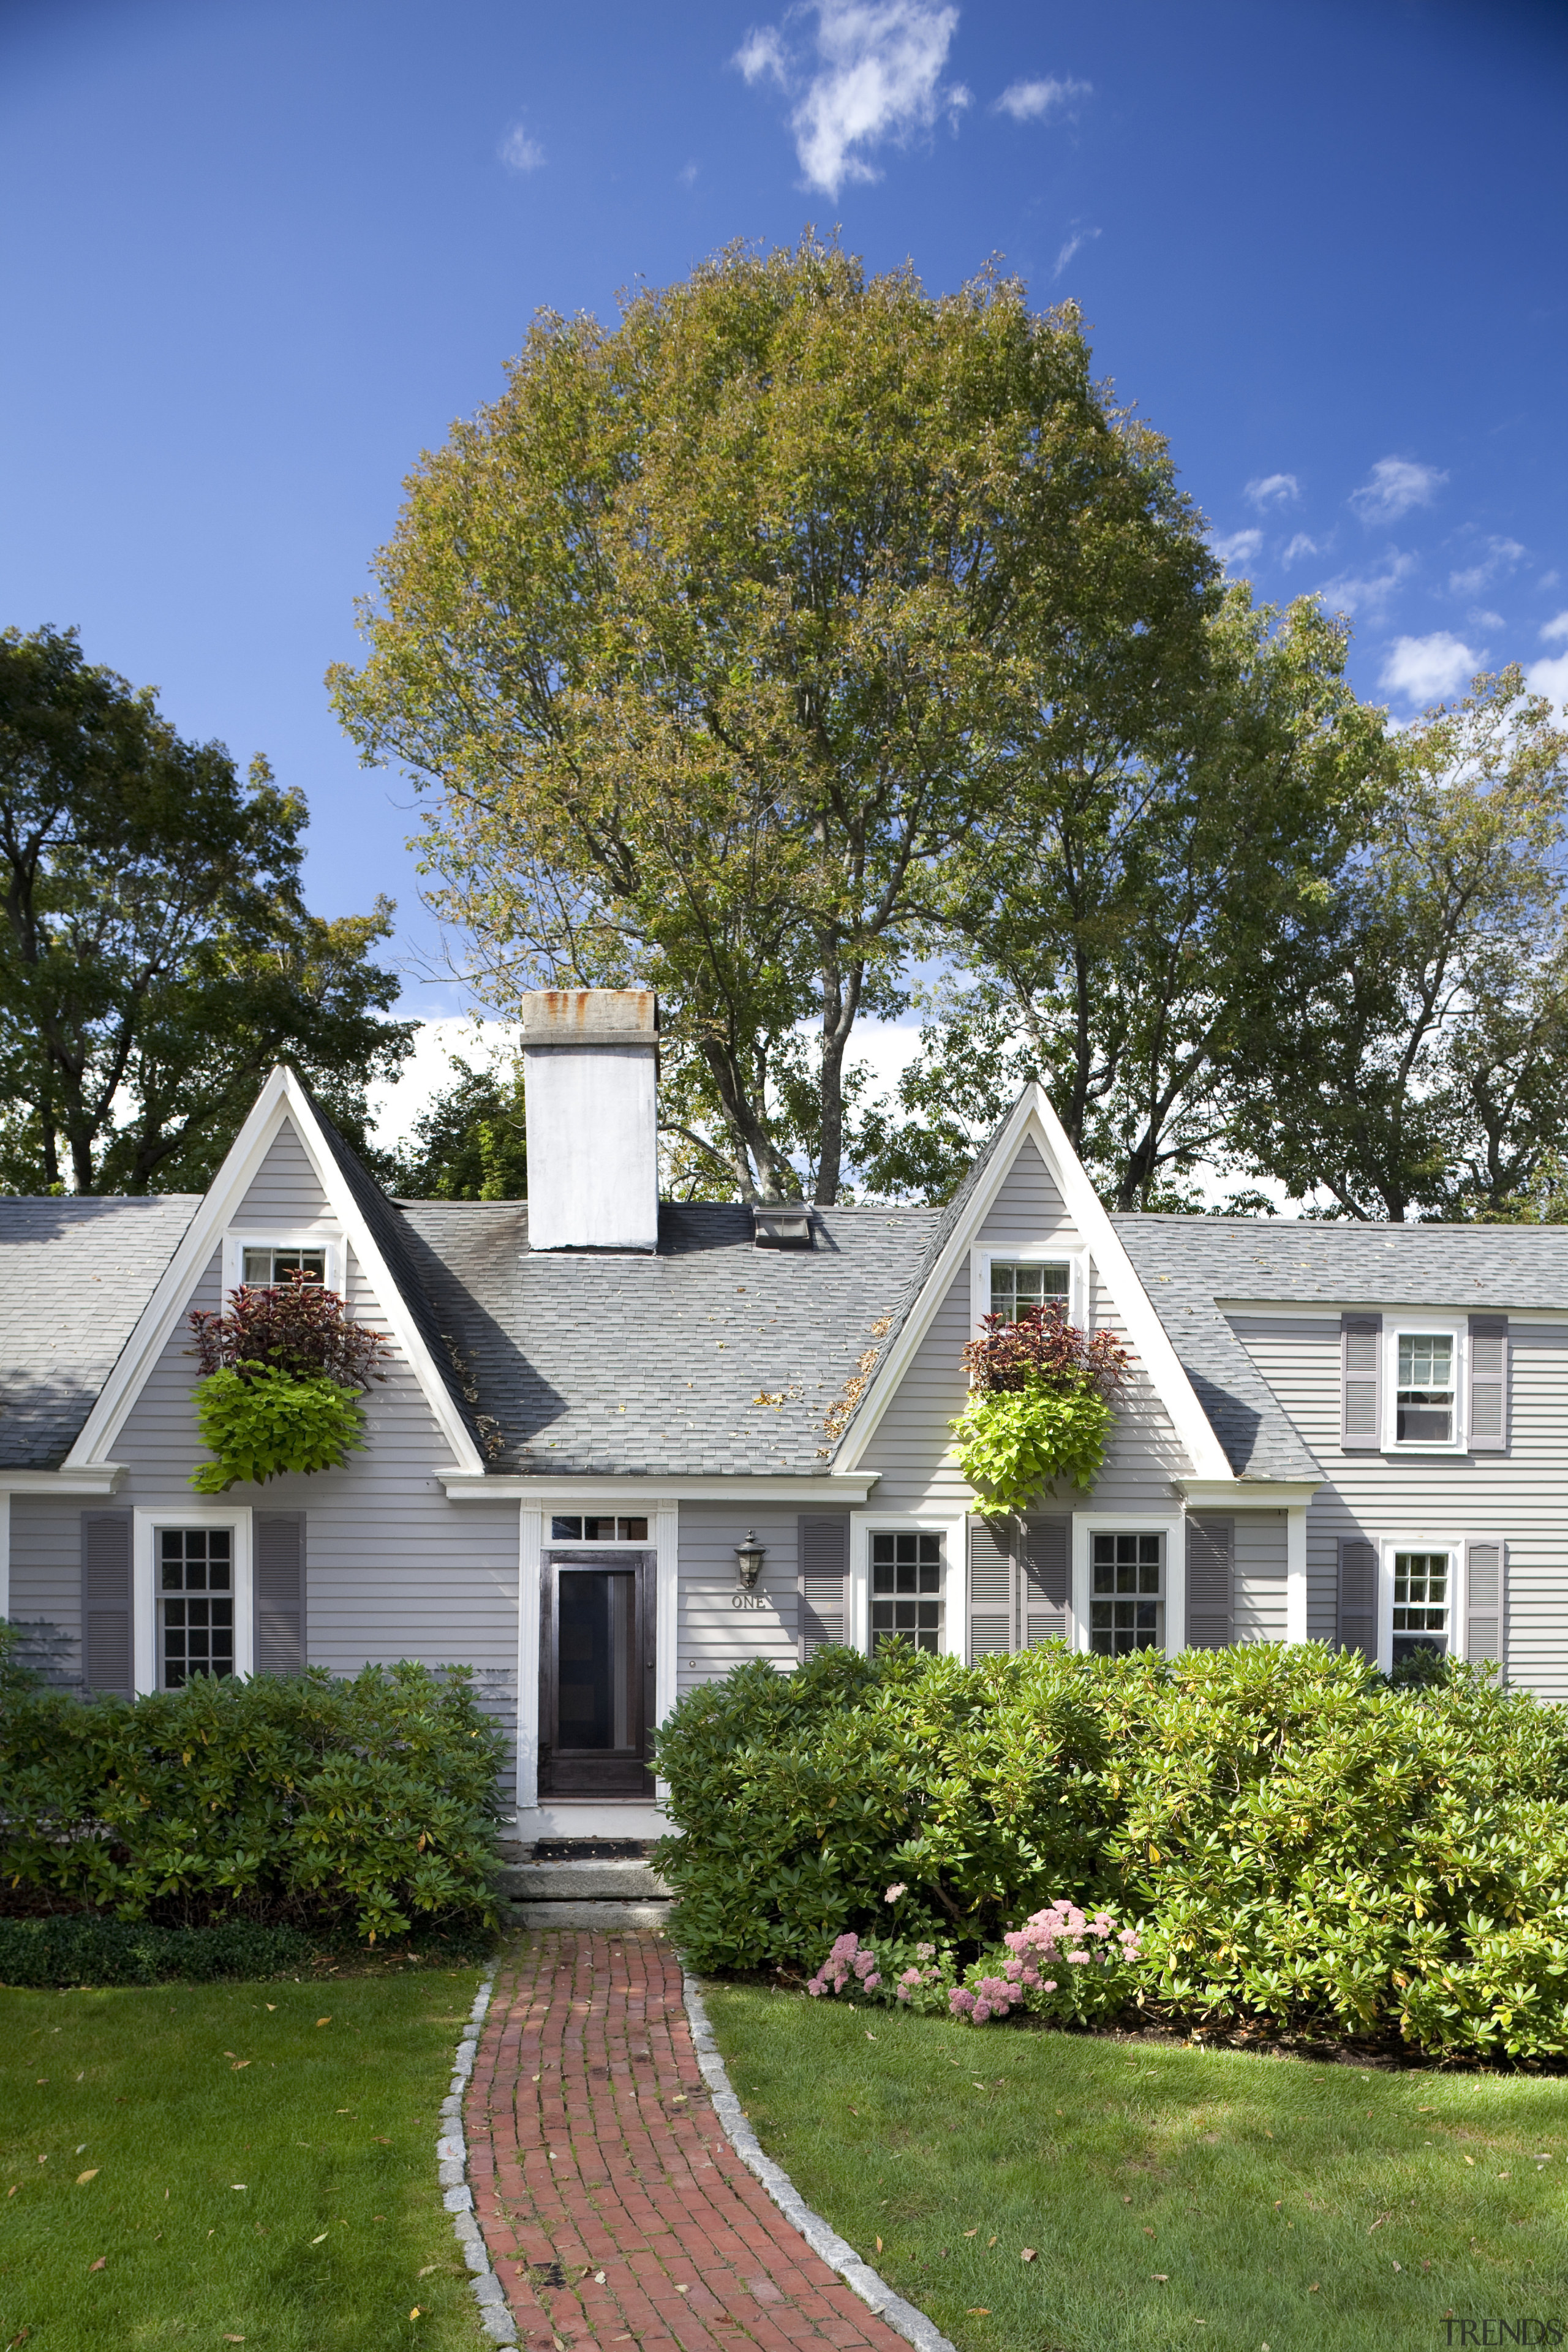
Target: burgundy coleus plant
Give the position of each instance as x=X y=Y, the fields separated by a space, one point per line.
x=1041 y=1349
x=299 y=1327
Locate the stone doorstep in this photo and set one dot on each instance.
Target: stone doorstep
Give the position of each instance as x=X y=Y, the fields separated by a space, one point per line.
x=595 y=1880
x=603 y=1916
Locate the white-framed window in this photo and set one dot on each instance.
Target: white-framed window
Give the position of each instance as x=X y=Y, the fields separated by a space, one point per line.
x=264 y=1258
x=191 y=1580
x=1008 y=1281
x=1424 y=1372
x=1421 y=1608
x=598 y=1528
x=1128 y=1583
x=908 y=1579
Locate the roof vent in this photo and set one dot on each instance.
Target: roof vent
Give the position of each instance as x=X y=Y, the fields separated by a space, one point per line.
x=781 y=1225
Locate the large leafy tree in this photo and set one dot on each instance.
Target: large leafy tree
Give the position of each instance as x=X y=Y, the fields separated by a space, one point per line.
x=709 y=639
x=470 y=1141
x=1415 y=1061
x=156 y=957
x=1122 y=916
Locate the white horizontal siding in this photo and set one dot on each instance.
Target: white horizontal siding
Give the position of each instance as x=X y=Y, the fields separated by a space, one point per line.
x=1522 y=1495
x=1028 y=1212
x=715 y=1635
x=1258 y=1590
x=46 y=1578
x=285 y=1191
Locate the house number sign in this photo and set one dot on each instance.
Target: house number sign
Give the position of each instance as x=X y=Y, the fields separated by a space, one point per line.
x=748 y=1600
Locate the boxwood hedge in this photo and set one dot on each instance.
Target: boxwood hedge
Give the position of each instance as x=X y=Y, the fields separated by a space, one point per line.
x=1301 y=1846
x=359 y=1806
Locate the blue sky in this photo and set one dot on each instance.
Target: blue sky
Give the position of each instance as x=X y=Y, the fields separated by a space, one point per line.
x=259 y=256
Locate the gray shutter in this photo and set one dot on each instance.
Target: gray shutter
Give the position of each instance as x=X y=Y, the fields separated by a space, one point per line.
x=1211 y=1553
x=279 y=1581
x=1358 y=1595
x=108 y=1651
x=1483 y=1600
x=993 y=1609
x=1045 y=1581
x=1488 y=1384
x=1361 y=1413
x=823 y=1579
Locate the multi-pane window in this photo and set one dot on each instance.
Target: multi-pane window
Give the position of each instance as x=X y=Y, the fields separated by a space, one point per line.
x=1014 y=1288
x=260 y=1268
x=1420 y=1602
x=1424 y=1396
x=1127 y=1600
x=905 y=1589
x=196 y=1603
x=575 y=1529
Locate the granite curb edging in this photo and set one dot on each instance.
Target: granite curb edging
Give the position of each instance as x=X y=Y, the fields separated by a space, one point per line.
x=819 y=2235
x=452 y=2160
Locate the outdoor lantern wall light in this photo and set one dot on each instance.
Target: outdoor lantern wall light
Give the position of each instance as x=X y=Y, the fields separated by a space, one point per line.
x=749 y=1559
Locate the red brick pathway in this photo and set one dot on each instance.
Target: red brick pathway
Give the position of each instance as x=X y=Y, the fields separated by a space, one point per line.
x=593 y=2148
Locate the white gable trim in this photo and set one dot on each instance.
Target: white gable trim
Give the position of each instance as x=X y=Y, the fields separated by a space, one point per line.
x=281 y=1100
x=1033 y=1120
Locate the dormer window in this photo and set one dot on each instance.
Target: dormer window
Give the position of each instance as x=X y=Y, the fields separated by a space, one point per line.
x=264 y=1267
x=1425 y=1393
x=1016 y=1287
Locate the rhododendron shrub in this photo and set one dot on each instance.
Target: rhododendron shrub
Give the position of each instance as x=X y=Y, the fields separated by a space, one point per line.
x=1304 y=1848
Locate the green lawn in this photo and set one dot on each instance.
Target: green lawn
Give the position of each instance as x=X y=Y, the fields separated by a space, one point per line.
x=1173 y=2197
x=197 y=2165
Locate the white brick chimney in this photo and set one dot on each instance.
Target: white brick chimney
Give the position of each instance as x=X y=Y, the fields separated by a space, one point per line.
x=590 y=1060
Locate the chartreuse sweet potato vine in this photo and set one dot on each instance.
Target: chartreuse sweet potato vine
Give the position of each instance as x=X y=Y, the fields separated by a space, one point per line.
x=283 y=1371
x=1040 y=1407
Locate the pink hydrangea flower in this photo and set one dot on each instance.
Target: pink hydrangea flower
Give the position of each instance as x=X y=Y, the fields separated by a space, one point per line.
x=894 y=1892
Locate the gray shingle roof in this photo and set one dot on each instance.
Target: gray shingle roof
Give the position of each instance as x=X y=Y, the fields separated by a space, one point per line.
x=625 y=1364
x=74 y=1277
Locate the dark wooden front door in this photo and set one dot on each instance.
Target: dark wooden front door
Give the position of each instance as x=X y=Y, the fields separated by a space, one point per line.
x=596 y=1674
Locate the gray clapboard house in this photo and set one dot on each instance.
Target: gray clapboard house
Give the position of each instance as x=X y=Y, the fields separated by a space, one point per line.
x=604 y=1411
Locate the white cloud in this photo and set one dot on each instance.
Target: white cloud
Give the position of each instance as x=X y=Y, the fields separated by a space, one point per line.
x=1273 y=491
x=1079 y=237
x=1555 y=633
x=1501 y=555
x=1550 y=677
x=1033 y=101
x=1424 y=669
x=1301 y=545
x=518 y=152
x=763 y=52
x=878 y=77
x=1480 y=618
x=1350 y=593
x=1239 y=547
x=1393 y=487
x=687 y=176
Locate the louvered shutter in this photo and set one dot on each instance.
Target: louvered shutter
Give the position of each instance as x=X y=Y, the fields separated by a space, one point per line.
x=993 y=1606
x=108 y=1651
x=1358 y=1595
x=279 y=1582
x=1044 y=1595
x=1361 y=1416
x=1483 y=1600
x=1211 y=1554
x=1488 y=1384
x=822 y=1580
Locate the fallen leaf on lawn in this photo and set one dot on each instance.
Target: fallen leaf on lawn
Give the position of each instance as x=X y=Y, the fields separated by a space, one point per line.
x=1469 y=2159
x=878 y=2245
x=978 y=2311
x=239 y=2184
x=414 y=2313
x=12 y=2191
x=315 y=2242
x=1314 y=2288
x=82 y=2147
x=272 y=2004
x=82 y=2076
x=1380 y=2220
x=428 y=2269
x=1399 y=2266
x=1505 y=2176
x=1162 y=2276
x=101 y=2263
x=90 y=2174
x=1127 y=2200
x=1027 y=2256
x=380 y=2139
x=239 y=2066
x=974 y=2233
x=323 y=2021
x=989 y=2241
